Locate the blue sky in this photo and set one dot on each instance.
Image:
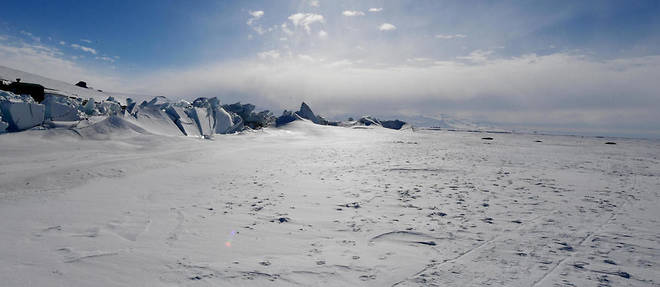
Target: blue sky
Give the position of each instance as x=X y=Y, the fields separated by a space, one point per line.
x=583 y=65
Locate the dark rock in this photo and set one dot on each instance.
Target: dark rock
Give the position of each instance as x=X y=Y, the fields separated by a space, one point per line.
x=395 y=124
x=36 y=91
x=82 y=84
x=487 y=138
x=610 y=143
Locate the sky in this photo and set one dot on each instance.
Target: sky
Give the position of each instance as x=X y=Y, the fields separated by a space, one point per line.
x=572 y=66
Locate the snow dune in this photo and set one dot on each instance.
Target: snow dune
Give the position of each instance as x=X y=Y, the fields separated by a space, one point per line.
x=308 y=205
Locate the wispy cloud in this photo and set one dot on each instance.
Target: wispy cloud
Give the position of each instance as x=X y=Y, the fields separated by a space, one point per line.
x=272 y=54
x=314 y=3
x=51 y=62
x=31 y=36
x=305 y=20
x=558 y=88
x=449 y=37
x=106 y=59
x=373 y=10
x=84 y=48
x=352 y=13
x=255 y=15
x=86 y=41
x=386 y=27
x=477 y=56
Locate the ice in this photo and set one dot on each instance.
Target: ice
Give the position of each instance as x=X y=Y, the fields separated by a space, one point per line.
x=154 y=119
x=368 y=121
x=62 y=108
x=305 y=112
x=108 y=107
x=287 y=117
x=3 y=126
x=89 y=107
x=187 y=125
x=20 y=112
x=223 y=121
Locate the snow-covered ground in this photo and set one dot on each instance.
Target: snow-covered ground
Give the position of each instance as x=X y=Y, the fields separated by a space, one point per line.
x=70 y=89
x=318 y=205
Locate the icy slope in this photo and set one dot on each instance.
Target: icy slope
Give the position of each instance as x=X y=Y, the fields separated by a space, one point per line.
x=319 y=205
x=69 y=88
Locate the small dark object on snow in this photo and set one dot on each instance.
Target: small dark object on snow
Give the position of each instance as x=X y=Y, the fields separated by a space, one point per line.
x=82 y=84
x=566 y=248
x=283 y=219
x=623 y=274
x=538 y=141
x=487 y=138
x=610 y=143
x=352 y=205
x=431 y=243
x=608 y=261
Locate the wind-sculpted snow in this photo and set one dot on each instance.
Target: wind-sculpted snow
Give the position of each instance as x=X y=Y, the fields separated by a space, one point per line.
x=314 y=205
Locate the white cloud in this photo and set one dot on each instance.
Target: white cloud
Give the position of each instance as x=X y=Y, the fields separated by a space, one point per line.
x=272 y=54
x=351 y=13
x=449 y=37
x=84 y=49
x=52 y=63
x=86 y=41
x=286 y=29
x=373 y=10
x=557 y=88
x=323 y=34
x=387 y=27
x=306 y=57
x=255 y=16
x=314 y=3
x=31 y=36
x=305 y=20
x=477 y=56
x=106 y=59
x=62 y=43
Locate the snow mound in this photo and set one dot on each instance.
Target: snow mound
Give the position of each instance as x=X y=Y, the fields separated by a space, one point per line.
x=110 y=127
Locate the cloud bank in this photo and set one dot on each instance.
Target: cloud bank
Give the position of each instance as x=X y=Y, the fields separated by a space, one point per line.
x=558 y=89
